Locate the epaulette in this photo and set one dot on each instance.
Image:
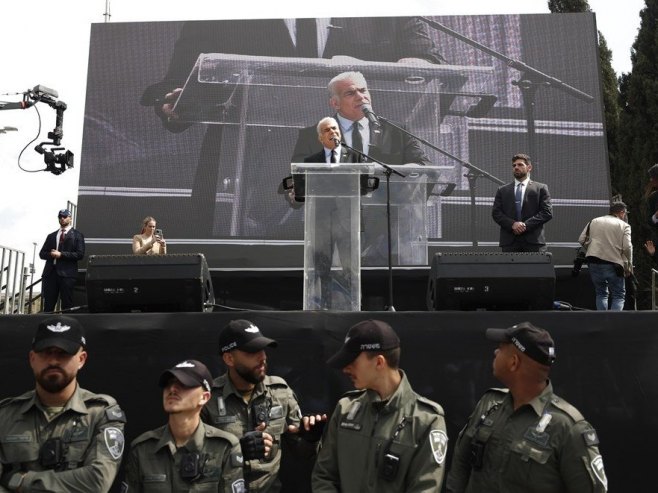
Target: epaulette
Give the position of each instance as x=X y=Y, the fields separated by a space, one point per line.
x=353 y=394
x=212 y=432
x=103 y=398
x=146 y=436
x=274 y=381
x=220 y=381
x=434 y=406
x=19 y=398
x=567 y=408
x=496 y=390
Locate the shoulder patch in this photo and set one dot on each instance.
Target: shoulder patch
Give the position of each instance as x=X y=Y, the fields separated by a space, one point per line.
x=237 y=460
x=590 y=437
x=439 y=445
x=115 y=413
x=238 y=486
x=567 y=408
x=114 y=442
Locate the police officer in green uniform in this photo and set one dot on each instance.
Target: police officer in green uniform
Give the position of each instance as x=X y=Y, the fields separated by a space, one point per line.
x=383 y=437
x=185 y=455
x=259 y=409
x=525 y=439
x=59 y=437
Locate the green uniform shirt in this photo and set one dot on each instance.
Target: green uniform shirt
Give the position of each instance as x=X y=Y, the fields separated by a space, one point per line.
x=227 y=411
x=88 y=433
x=364 y=430
x=545 y=446
x=154 y=463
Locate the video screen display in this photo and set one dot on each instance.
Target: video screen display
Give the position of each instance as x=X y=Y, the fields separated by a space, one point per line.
x=196 y=123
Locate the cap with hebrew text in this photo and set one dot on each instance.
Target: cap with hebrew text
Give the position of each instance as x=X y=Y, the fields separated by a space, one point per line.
x=533 y=341
x=369 y=335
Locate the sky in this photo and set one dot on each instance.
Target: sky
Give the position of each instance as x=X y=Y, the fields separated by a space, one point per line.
x=47 y=43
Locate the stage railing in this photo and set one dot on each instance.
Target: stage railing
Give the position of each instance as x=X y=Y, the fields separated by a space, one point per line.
x=13 y=278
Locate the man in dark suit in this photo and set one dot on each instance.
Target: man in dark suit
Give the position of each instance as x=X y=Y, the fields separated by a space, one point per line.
x=62 y=250
x=335 y=230
x=375 y=39
x=521 y=208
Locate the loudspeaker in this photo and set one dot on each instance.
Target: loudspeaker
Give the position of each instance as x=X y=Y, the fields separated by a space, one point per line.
x=149 y=283
x=491 y=281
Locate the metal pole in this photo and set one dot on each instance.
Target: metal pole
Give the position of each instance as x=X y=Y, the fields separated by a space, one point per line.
x=107 y=14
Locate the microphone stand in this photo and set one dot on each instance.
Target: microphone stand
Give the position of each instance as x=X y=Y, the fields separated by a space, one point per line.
x=473 y=173
x=530 y=81
x=388 y=171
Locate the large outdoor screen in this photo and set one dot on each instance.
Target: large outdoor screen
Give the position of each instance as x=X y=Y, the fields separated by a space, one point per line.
x=477 y=89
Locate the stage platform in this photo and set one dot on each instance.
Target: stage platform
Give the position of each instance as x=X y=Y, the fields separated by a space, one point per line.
x=606 y=366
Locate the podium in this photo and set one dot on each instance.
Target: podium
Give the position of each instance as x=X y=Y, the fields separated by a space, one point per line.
x=410 y=196
x=332 y=226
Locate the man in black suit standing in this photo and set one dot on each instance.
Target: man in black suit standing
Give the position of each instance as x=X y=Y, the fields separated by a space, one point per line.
x=336 y=230
x=62 y=250
x=521 y=208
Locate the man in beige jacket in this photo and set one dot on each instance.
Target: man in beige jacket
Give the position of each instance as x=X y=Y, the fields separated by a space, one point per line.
x=609 y=256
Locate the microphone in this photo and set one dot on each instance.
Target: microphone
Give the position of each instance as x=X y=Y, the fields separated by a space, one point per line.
x=336 y=141
x=370 y=115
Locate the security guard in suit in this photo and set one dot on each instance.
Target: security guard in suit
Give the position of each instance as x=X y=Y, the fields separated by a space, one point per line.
x=383 y=437
x=59 y=437
x=526 y=439
x=185 y=455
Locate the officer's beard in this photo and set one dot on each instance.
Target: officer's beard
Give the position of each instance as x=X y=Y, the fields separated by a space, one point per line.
x=54 y=382
x=249 y=375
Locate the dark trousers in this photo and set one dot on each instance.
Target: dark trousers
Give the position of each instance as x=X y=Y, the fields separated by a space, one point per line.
x=54 y=286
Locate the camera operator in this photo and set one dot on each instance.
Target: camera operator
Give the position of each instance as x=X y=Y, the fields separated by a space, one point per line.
x=607 y=240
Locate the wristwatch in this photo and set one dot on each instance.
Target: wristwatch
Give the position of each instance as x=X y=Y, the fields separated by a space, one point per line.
x=16 y=481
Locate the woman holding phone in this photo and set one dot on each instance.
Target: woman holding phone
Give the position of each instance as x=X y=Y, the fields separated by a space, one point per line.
x=150 y=241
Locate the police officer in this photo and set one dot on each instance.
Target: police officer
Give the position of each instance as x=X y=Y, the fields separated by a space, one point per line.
x=59 y=437
x=185 y=455
x=383 y=437
x=525 y=439
x=259 y=409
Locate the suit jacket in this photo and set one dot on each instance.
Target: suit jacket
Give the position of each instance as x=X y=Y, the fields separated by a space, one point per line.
x=610 y=240
x=394 y=147
x=72 y=250
x=536 y=210
x=346 y=156
x=385 y=39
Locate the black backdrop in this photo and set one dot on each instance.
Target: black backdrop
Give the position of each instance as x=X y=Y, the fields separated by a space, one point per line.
x=606 y=366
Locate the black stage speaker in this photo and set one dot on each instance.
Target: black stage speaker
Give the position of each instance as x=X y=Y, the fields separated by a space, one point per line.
x=491 y=281
x=149 y=283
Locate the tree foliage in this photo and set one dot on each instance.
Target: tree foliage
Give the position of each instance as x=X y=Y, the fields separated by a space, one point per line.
x=638 y=135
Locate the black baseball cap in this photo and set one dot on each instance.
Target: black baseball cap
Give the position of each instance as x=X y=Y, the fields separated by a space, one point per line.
x=245 y=336
x=533 y=341
x=64 y=213
x=62 y=332
x=191 y=373
x=369 y=335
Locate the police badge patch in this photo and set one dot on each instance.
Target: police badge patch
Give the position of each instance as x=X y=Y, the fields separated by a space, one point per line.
x=599 y=472
x=238 y=486
x=439 y=444
x=114 y=442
